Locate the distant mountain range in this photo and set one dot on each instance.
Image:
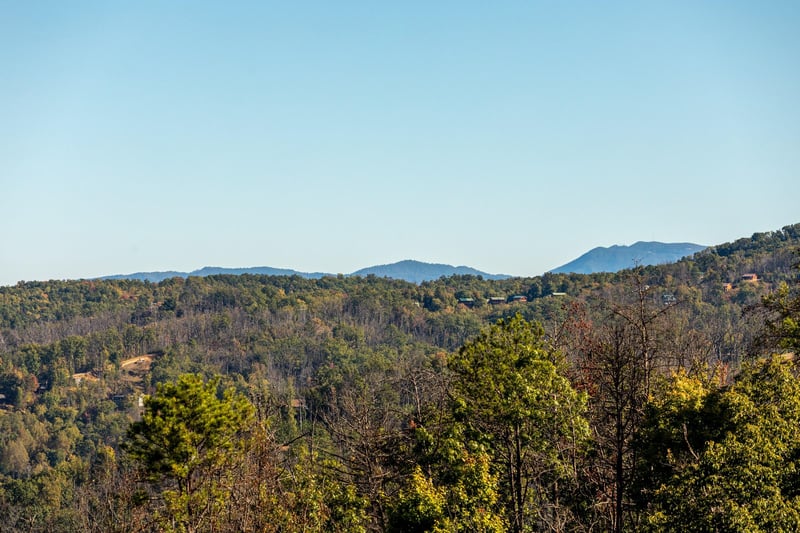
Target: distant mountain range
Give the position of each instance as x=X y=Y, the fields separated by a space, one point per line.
x=618 y=257
x=599 y=259
x=413 y=271
x=417 y=271
x=211 y=271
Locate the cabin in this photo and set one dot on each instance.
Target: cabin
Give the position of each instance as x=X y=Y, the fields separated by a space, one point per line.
x=517 y=298
x=749 y=278
x=467 y=302
x=119 y=400
x=496 y=300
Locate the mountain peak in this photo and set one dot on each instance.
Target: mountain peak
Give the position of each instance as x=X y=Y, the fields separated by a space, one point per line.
x=619 y=257
x=418 y=271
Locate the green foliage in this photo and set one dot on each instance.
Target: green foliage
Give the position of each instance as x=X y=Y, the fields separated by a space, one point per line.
x=458 y=493
x=354 y=369
x=188 y=437
x=782 y=331
x=741 y=474
x=420 y=506
x=511 y=394
x=684 y=414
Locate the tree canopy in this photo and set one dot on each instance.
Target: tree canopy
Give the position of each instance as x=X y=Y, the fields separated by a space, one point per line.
x=186 y=440
x=512 y=395
x=729 y=455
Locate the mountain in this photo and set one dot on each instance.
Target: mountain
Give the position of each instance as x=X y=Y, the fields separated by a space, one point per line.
x=408 y=270
x=155 y=277
x=266 y=271
x=619 y=257
x=417 y=271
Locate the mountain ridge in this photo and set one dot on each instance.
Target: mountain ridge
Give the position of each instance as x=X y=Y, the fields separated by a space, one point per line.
x=620 y=257
x=407 y=269
x=598 y=259
x=418 y=271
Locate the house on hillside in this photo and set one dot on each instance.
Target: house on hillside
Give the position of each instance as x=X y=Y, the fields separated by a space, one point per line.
x=517 y=298
x=496 y=300
x=467 y=302
x=749 y=278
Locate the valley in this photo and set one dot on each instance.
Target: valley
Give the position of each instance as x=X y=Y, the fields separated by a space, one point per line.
x=372 y=389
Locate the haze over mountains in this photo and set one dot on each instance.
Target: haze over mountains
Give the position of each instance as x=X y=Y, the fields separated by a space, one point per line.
x=599 y=259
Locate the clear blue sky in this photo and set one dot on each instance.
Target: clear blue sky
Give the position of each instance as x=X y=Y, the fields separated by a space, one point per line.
x=329 y=136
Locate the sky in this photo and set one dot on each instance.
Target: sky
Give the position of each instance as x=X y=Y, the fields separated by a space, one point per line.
x=511 y=137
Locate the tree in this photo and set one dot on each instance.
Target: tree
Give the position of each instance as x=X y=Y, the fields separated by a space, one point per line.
x=621 y=357
x=511 y=395
x=782 y=325
x=110 y=503
x=451 y=489
x=740 y=472
x=684 y=414
x=190 y=433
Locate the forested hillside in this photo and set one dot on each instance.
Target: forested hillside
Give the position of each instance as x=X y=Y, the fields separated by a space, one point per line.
x=564 y=402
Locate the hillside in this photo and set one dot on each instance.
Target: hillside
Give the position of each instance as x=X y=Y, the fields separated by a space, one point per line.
x=352 y=379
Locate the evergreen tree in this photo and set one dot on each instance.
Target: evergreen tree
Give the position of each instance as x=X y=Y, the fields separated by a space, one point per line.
x=189 y=435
